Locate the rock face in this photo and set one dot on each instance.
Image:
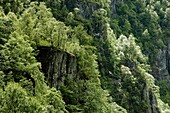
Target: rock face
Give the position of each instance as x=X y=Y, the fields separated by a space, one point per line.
x=151 y=100
x=113 y=8
x=57 y=65
x=161 y=65
x=86 y=8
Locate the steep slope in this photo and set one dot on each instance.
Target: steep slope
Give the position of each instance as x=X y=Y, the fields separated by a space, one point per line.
x=72 y=56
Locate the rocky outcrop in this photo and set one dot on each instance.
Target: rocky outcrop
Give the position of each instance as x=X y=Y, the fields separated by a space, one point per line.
x=57 y=65
x=151 y=101
x=161 y=65
x=113 y=8
x=86 y=8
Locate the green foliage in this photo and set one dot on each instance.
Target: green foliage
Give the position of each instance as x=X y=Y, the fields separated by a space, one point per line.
x=54 y=102
x=17 y=58
x=135 y=17
x=44 y=30
x=86 y=34
x=58 y=8
x=16 y=6
x=87 y=63
x=80 y=34
x=5 y=27
x=75 y=19
x=18 y=53
x=164 y=91
x=99 y=19
x=100 y=103
x=37 y=22
x=131 y=67
x=15 y=99
x=81 y=97
x=23 y=88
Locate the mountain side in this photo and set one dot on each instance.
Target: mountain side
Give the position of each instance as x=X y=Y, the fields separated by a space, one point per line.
x=79 y=56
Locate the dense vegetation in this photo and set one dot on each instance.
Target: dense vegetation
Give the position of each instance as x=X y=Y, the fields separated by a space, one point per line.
x=114 y=43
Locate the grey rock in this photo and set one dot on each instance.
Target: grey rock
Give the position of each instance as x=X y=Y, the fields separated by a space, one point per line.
x=57 y=66
x=161 y=65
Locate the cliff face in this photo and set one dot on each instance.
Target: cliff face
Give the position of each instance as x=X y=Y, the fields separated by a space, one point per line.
x=57 y=65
